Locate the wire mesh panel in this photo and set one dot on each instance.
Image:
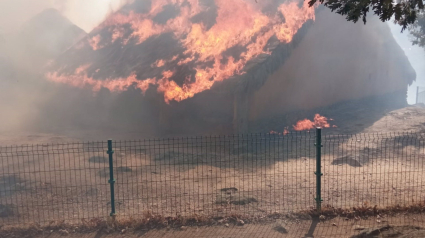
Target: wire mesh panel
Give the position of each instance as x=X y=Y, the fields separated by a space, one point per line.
x=369 y=170
x=52 y=182
x=254 y=174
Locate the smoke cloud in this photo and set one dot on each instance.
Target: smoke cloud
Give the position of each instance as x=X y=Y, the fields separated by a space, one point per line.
x=86 y=14
x=416 y=56
x=22 y=56
x=32 y=32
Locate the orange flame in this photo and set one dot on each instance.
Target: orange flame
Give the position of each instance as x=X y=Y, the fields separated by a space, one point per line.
x=237 y=23
x=94 y=42
x=158 y=63
x=80 y=79
x=117 y=33
x=306 y=124
x=285 y=132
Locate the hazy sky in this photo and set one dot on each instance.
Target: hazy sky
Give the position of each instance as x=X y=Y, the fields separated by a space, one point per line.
x=416 y=57
x=85 y=13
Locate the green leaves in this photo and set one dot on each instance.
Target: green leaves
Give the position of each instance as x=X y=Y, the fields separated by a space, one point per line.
x=417 y=30
x=404 y=11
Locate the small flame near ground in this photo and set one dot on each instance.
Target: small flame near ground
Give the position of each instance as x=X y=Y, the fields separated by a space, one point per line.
x=306 y=124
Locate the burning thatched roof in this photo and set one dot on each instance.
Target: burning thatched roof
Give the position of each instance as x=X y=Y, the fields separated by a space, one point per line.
x=207 y=57
x=179 y=47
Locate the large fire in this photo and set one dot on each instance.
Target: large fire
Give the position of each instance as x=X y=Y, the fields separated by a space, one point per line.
x=238 y=23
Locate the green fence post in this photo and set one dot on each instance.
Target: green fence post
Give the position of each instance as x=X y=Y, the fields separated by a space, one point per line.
x=111 y=181
x=318 y=172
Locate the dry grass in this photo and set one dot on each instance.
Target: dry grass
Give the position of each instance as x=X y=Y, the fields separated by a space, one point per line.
x=150 y=221
x=367 y=211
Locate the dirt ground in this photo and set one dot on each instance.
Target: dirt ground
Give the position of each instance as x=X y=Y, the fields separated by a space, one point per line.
x=409 y=119
x=216 y=176
x=402 y=226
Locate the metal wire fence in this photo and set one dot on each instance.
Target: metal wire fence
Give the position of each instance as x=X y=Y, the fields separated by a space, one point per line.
x=250 y=175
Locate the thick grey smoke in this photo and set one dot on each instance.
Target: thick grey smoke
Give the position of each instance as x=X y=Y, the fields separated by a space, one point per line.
x=416 y=56
x=31 y=33
x=86 y=14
